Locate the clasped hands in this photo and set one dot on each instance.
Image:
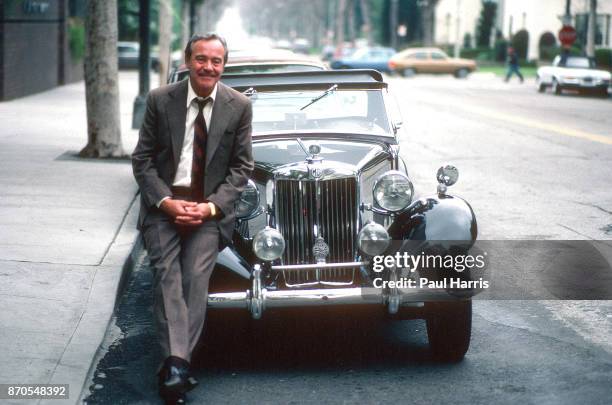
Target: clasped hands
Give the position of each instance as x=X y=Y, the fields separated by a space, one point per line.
x=186 y=213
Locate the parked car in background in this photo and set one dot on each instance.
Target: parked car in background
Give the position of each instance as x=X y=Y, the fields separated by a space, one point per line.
x=276 y=61
x=429 y=60
x=329 y=193
x=128 y=54
x=376 y=58
x=573 y=73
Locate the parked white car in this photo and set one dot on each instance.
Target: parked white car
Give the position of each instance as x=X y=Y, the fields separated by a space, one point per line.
x=575 y=73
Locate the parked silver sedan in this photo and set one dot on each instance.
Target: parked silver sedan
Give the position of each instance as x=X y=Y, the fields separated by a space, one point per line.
x=573 y=73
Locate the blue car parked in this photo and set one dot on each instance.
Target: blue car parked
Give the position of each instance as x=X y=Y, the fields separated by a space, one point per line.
x=366 y=58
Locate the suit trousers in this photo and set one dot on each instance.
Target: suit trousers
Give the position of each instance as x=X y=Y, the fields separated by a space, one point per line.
x=182 y=260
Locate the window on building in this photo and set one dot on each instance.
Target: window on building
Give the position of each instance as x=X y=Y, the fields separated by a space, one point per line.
x=602 y=32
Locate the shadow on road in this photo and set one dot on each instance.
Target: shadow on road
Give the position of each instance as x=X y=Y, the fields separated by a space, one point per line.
x=333 y=340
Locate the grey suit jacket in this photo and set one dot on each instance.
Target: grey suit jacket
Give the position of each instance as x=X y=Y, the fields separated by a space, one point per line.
x=229 y=159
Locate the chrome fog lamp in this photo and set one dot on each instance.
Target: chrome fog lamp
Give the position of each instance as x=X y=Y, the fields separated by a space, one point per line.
x=393 y=191
x=373 y=239
x=248 y=202
x=268 y=244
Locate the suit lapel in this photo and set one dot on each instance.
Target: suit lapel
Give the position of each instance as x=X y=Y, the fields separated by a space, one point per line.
x=219 y=119
x=177 y=114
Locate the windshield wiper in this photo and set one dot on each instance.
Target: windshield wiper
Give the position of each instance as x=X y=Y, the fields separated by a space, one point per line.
x=325 y=93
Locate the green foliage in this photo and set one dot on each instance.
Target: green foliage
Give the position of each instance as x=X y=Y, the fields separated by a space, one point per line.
x=548 y=53
x=500 y=48
x=520 y=42
x=467 y=40
x=603 y=57
x=76 y=38
x=485 y=23
x=479 y=53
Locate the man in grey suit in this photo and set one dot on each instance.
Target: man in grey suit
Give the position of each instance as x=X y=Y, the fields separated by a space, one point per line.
x=192 y=160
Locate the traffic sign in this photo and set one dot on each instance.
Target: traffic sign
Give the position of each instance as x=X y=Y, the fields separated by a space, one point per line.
x=567 y=36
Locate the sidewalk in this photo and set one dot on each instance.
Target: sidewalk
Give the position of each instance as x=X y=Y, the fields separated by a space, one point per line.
x=67 y=228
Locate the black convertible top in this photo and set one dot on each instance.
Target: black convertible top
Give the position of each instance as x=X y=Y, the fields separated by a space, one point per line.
x=346 y=79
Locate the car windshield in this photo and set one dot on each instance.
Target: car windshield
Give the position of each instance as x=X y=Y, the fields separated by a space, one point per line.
x=341 y=111
x=581 y=63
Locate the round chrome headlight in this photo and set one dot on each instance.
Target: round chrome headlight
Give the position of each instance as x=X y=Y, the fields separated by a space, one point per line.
x=393 y=191
x=268 y=244
x=248 y=202
x=373 y=239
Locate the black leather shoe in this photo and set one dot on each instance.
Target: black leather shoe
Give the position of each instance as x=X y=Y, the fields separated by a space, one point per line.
x=174 y=379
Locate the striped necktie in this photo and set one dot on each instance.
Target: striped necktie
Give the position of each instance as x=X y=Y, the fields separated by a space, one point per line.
x=199 y=152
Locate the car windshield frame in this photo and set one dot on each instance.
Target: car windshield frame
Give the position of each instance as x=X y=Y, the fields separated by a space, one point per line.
x=343 y=111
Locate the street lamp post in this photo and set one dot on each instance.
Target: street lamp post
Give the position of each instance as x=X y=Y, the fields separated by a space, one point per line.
x=144 y=65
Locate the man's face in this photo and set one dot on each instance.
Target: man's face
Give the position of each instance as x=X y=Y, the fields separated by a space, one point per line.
x=205 y=65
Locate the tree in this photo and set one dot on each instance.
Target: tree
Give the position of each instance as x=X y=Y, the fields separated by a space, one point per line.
x=340 y=24
x=429 y=21
x=592 y=29
x=165 y=38
x=367 y=24
x=101 y=81
x=485 y=23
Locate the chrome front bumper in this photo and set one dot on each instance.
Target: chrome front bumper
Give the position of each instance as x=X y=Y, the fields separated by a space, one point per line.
x=258 y=299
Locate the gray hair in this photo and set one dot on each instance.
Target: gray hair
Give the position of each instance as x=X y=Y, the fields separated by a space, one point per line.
x=207 y=37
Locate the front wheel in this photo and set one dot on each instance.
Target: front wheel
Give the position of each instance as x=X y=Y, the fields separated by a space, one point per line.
x=408 y=72
x=541 y=86
x=556 y=87
x=461 y=73
x=449 y=328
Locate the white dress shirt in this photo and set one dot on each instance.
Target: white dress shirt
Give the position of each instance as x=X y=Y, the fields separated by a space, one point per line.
x=183 y=172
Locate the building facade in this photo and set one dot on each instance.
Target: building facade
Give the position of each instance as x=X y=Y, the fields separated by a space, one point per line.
x=540 y=20
x=41 y=45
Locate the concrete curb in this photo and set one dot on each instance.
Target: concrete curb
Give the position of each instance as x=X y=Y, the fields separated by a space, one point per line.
x=78 y=361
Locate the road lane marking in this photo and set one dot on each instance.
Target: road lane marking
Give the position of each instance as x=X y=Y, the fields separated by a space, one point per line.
x=556 y=129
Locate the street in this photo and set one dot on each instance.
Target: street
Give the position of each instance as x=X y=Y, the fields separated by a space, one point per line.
x=533 y=166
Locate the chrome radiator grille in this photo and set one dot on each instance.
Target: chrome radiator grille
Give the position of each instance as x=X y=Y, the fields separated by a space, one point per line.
x=296 y=216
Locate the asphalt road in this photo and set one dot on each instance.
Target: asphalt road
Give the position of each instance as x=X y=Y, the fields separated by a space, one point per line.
x=533 y=166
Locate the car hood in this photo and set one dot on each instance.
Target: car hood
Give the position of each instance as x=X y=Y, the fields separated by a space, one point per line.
x=467 y=62
x=283 y=155
x=596 y=73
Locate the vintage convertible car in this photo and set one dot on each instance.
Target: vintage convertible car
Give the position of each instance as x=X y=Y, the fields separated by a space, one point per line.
x=328 y=195
x=573 y=73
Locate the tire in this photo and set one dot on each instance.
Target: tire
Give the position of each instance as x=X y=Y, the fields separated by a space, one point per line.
x=408 y=72
x=556 y=87
x=449 y=328
x=462 y=73
x=603 y=93
x=541 y=86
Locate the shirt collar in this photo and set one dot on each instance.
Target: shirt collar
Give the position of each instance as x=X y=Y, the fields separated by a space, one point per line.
x=192 y=95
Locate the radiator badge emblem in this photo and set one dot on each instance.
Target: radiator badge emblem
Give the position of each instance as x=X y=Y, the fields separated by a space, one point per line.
x=315 y=172
x=320 y=250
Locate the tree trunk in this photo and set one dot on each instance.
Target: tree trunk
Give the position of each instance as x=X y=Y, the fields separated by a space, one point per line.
x=184 y=22
x=367 y=25
x=592 y=29
x=165 y=37
x=351 y=20
x=429 y=21
x=101 y=81
x=340 y=24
